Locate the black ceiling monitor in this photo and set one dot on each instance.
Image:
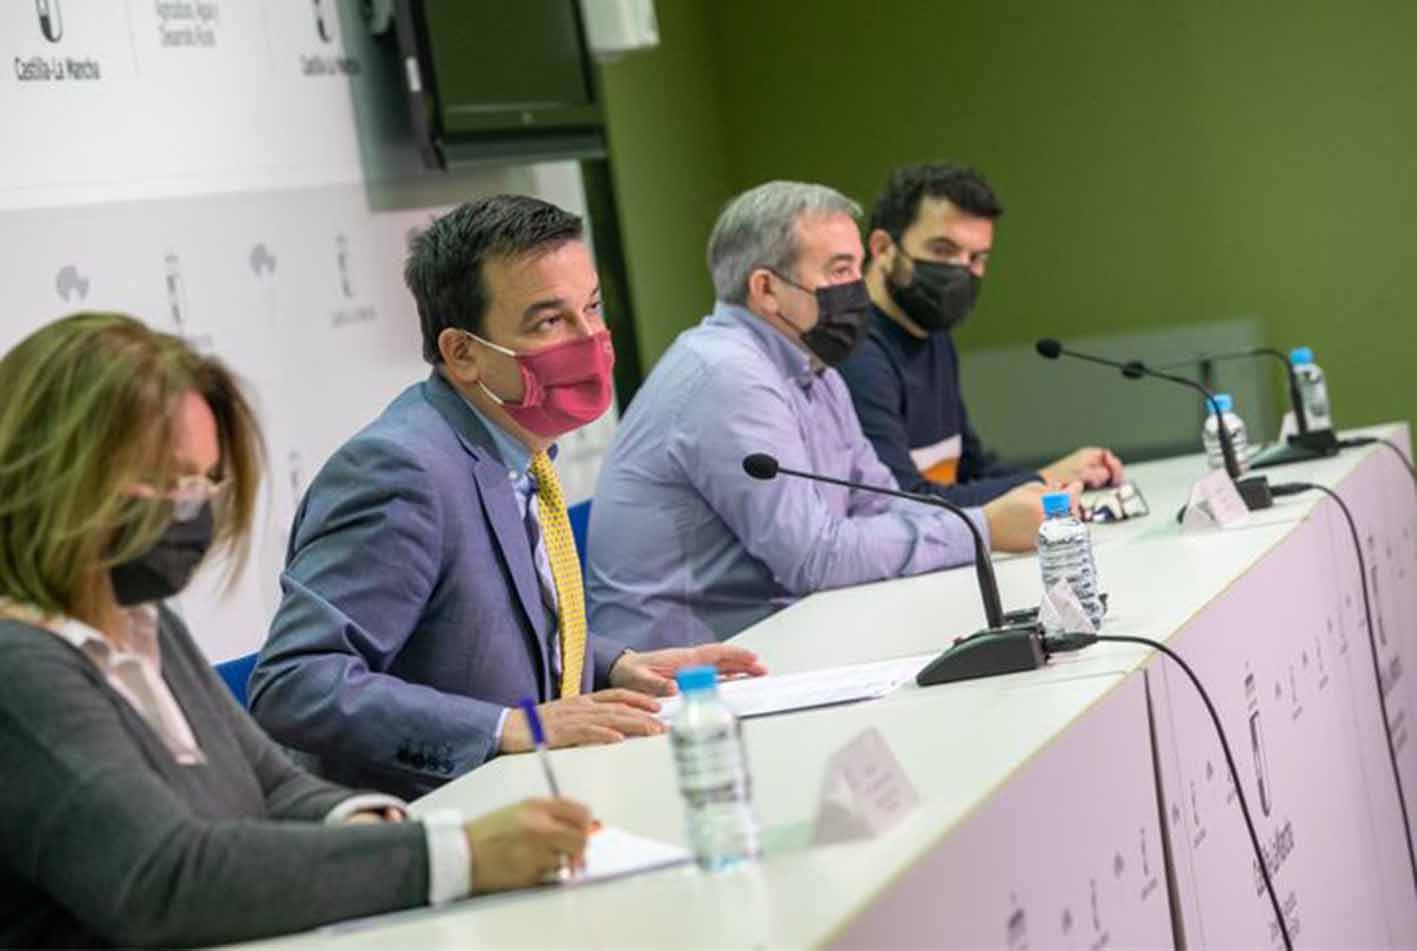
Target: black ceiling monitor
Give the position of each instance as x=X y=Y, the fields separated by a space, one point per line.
x=496 y=82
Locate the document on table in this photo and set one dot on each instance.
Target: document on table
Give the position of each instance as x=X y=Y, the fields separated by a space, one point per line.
x=613 y=852
x=759 y=696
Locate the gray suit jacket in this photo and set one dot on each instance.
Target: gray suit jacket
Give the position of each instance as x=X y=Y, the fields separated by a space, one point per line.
x=411 y=606
x=105 y=839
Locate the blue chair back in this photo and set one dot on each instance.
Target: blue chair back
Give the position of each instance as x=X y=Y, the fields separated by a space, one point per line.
x=579 y=514
x=235 y=674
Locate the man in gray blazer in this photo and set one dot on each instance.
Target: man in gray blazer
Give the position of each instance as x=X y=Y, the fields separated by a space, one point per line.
x=428 y=583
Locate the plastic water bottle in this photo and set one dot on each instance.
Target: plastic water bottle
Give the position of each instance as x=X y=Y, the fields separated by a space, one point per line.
x=713 y=774
x=1313 y=391
x=1065 y=554
x=1210 y=437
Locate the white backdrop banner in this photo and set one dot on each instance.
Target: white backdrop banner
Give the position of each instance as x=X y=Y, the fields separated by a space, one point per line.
x=237 y=173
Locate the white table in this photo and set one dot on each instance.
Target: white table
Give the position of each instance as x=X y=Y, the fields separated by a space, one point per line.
x=1042 y=792
x=1287 y=658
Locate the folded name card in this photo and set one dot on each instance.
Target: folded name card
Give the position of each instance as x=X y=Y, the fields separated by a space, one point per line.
x=1062 y=611
x=864 y=792
x=1214 y=503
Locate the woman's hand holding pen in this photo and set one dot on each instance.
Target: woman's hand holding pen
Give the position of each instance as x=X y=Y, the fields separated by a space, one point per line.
x=522 y=844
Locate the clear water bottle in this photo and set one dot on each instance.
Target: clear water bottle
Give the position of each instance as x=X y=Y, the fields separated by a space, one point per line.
x=1210 y=437
x=1065 y=554
x=1313 y=391
x=713 y=774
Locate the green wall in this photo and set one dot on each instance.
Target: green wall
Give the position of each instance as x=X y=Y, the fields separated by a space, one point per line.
x=1160 y=164
x=670 y=171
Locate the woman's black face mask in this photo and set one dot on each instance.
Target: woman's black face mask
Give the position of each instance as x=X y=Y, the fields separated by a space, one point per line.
x=165 y=568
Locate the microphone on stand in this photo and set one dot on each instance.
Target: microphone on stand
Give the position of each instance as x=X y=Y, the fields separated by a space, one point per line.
x=1302 y=446
x=1254 y=490
x=1005 y=646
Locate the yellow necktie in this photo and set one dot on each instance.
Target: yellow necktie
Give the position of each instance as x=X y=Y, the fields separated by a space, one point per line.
x=565 y=571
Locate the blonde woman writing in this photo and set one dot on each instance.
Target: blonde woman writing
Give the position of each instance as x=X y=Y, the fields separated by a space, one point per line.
x=139 y=805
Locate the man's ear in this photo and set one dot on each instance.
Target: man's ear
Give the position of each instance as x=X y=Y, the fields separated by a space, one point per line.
x=880 y=243
x=459 y=355
x=760 y=288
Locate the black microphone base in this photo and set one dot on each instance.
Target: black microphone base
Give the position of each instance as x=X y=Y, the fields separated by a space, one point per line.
x=1318 y=440
x=1300 y=447
x=1255 y=492
x=986 y=653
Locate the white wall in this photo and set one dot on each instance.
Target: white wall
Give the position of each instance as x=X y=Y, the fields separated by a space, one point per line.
x=220 y=169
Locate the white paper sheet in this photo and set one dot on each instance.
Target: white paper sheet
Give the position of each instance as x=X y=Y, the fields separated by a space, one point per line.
x=613 y=852
x=758 y=696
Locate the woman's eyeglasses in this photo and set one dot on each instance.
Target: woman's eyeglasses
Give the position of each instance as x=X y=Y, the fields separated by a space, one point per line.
x=187 y=494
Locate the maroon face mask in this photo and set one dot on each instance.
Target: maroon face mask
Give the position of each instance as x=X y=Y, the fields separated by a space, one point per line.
x=565 y=385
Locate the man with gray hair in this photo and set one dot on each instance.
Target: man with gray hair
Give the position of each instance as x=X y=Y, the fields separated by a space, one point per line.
x=684 y=546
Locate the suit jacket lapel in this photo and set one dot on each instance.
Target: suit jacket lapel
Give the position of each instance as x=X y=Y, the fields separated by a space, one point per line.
x=499 y=504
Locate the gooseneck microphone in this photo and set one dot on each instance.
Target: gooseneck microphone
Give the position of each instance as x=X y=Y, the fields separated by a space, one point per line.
x=1254 y=490
x=1000 y=648
x=760 y=465
x=1304 y=445
x=1135 y=370
x=1296 y=403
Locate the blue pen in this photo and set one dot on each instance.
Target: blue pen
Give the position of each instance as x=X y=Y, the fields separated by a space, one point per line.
x=538 y=738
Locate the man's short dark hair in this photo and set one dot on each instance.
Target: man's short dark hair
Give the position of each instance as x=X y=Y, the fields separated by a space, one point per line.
x=899 y=202
x=444 y=267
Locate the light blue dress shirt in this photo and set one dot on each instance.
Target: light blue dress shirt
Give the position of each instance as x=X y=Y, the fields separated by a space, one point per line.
x=686 y=548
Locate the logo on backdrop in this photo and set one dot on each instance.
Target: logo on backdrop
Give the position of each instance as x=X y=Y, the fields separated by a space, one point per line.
x=51 y=67
x=51 y=21
x=346 y=285
x=70 y=285
x=323 y=28
x=326 y=15
x=262 y=261
x=348 y=313
x=177 y=310
x=295 y=463
x=176 y=294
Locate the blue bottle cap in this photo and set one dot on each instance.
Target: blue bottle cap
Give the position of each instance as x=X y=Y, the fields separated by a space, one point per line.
x=695 y=679
x=1300 y=356
x=1057 y=503
x=1223 y=402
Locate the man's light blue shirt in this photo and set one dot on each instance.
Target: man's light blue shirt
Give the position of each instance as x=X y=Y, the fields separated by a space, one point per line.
x=686 y=548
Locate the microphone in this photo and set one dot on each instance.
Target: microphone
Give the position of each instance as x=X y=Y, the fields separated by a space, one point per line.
x=760 y=465
x=1254 y=490
x=1050 y=348
x=1010 y=643
x=1306 y=443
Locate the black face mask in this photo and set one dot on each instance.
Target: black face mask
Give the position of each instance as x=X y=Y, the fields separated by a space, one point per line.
x=938 y=297
x=164 y=569
x=842 y=313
